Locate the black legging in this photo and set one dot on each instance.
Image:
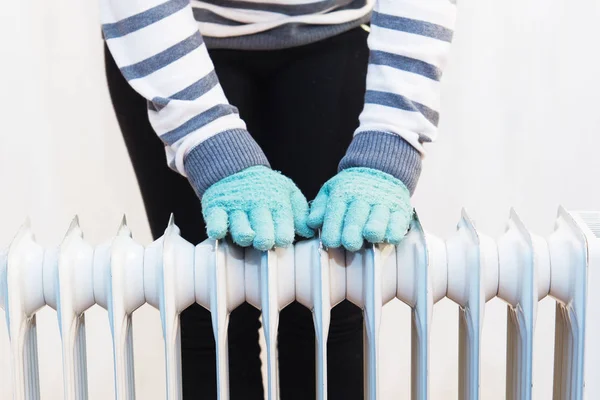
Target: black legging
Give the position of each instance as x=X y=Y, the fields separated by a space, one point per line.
x=302 y=106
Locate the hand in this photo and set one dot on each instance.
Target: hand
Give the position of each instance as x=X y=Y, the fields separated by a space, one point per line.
x=258 y=206
x=359 y=204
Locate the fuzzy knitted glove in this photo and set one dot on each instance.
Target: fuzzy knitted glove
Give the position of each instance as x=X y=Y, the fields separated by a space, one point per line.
x=258 y=206
x=358 y=204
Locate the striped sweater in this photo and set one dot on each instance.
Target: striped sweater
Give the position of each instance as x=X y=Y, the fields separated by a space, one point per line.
x=160 y=47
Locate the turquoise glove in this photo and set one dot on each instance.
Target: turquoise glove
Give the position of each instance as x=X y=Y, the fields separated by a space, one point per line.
x=358 y=204
x=259 y=206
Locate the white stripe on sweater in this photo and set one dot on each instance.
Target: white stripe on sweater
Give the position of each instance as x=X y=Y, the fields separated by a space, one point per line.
x=440 y=12
x=148 y=41
x=429 y=50
x=126 y=8
x=170 y=79
x=409 y=124
x=177 y=112
x=415 y=87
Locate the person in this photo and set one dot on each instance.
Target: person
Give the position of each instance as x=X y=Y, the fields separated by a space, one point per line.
x=238 y=90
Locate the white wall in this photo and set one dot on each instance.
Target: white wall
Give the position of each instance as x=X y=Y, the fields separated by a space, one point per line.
x=519 y=127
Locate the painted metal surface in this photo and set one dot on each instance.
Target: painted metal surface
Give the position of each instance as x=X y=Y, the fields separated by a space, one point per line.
x=171 y=274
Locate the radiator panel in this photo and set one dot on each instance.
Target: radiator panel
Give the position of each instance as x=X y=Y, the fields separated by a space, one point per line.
x=171 y=274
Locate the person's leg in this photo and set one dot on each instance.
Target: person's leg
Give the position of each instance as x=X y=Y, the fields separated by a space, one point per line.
x=314 y=102
x=243 y=89
x=165 y=192
x=311 y=108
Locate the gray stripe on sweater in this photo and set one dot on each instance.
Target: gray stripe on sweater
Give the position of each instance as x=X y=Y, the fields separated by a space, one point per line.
x=398 y=101
x=198 y=88
x=385 y=152
x=284 y=36
x=143 y=19
x=408 y=25
x=204 y=15
x=407 y=64
x=221 y=156
x=192 y=92
x=289 y=9
x=197 y=122
x=162 y=59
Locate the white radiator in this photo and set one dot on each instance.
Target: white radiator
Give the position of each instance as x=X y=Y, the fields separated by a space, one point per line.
x=171 y=273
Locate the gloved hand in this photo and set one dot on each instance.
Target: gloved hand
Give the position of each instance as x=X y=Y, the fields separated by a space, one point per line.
x=358 y=204
x=258 y=206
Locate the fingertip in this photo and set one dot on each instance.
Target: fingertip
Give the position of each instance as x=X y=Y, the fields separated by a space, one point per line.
x=317 y=211
x=395 y=240
x=333 y=222
x=354 y=223
x=302 y=228
x=241 y=231
x=314 y=221
x=376 y=226
x=283 y=241
x=284 y=228
x=397 y=227
x=330 y=241
x=263 y=244
x=262 y=223
x=216 y=223
x=305 y=231
x=373 y=234
x=352 y=239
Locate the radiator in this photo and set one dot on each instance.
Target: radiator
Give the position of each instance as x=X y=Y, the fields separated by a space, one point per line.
x=171 y=274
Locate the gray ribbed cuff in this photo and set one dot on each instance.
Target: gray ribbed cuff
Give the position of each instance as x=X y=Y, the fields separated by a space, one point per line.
x=386 y=152
x=222 y=155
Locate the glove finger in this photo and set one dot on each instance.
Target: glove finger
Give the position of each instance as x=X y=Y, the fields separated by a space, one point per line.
x=317 y=210
x=331 y=234
x=284 y=227
x=216 y=223
x=354 y=224
x=377 y=224
x=300 y=214
x=261 y=221
x=239 y=226
x=397 y=227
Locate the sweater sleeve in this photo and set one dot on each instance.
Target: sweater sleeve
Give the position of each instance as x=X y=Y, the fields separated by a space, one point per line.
x=409 y=45
x=160 y=51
